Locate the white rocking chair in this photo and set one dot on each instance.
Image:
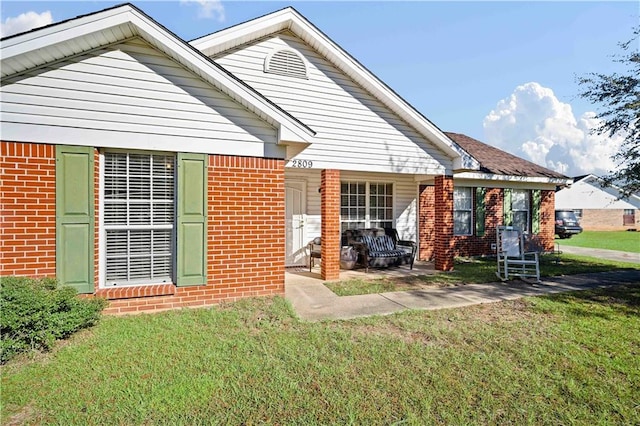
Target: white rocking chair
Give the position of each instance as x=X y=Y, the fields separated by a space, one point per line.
x=513 y=261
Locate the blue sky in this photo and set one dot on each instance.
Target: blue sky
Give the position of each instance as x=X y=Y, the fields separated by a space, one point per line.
x=456 y=62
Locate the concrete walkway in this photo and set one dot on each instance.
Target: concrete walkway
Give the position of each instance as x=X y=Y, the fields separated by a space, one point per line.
x=619 y=256
x=312 y=301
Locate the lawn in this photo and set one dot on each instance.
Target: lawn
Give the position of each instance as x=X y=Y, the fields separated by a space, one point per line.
x=475 y=270
x=611 y=240
x=560 y=359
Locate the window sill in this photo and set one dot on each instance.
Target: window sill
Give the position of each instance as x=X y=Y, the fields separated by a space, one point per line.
x=137 y=291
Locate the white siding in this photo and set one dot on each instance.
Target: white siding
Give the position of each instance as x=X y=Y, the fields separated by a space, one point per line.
x=405 y=202
x=587 y=194
x=354 y=130
x=130 y=96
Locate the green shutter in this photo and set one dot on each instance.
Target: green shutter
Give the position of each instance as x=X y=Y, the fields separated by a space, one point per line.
x=535 y=211
x=192 y=220
x=75 y=219
x=480 y=211
x=506 y=208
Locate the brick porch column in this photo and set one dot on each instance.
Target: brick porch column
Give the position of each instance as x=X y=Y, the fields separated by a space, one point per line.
x=443 y=248
x=330 y=233
x=547 y=220
x=426 y=222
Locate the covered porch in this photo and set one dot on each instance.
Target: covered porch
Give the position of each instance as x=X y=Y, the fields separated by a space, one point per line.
x=314 y=204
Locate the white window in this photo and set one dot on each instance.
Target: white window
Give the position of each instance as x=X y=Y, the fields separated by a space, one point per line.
x=366 y=205
x=462 y=211
x=520 y=209
x=138 y=222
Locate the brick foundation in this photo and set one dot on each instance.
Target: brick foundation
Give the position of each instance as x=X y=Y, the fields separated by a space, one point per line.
x=330 y=233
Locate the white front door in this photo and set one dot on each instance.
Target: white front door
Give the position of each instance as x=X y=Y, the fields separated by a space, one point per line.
x=295 y=213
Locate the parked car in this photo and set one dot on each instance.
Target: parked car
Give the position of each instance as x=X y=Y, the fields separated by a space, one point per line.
x=567 y=224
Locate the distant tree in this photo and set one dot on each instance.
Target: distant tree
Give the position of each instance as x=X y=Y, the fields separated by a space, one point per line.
x=619 y=98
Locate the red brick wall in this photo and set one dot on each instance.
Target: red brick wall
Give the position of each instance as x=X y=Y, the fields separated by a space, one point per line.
x=330 y=233
x=27 y=209
x=245 y=242
x=473 y=245
x=443 y=196
x=246 y=246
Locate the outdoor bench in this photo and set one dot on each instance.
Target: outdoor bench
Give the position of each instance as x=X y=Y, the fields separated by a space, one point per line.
x=380 y=247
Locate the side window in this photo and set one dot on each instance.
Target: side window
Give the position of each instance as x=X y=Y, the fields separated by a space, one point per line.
x=520 y=208
x=462 y=207
x=139 y=212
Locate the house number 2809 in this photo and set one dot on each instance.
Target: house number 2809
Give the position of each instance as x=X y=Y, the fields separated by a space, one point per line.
x=302 y=164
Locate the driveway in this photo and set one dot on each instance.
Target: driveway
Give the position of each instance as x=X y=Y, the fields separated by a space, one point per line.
x=619 y=256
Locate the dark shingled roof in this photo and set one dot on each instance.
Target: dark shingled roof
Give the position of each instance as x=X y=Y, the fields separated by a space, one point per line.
x=496 y=161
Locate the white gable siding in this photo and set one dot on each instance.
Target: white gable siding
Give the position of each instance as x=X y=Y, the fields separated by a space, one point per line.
x=354 y=130
x=130 y=96
x=587 y=194
x=405 y=204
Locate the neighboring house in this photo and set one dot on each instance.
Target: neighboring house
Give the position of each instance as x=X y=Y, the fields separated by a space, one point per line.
x=161 y=174
x=598 y=207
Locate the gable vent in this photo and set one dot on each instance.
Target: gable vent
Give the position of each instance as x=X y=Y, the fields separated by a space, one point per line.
x=285 y=62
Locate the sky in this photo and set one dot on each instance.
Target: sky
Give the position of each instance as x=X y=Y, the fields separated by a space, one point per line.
x=501 y=72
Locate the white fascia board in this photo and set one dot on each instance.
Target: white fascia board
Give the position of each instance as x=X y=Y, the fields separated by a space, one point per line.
x=57 y=33
x=491 y=178
x=290 y=19
x=168 y=43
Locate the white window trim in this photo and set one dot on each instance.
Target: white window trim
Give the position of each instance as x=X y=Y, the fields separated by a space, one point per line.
x=367 y=214
x=470 y=210
x=102 y=232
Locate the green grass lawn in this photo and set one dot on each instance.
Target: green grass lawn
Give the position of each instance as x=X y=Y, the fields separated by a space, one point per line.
x=473 y=271
x=611 y=240
x=561 y=359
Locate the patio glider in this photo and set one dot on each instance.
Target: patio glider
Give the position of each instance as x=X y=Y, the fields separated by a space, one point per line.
x=513 y=261
x=380 y=248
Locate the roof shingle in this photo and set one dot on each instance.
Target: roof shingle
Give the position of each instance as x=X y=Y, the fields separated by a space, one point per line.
x=496 y=161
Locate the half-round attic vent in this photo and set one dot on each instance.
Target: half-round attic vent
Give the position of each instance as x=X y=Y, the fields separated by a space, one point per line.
x=285 y=62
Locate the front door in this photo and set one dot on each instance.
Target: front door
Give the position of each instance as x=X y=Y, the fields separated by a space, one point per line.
x=295 y=212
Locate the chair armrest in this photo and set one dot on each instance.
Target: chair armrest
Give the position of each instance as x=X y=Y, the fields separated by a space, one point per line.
x=406 y=243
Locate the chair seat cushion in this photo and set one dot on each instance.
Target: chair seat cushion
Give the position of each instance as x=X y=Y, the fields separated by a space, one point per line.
x=388 y=253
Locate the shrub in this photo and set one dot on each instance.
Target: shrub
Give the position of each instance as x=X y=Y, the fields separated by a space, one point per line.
x=34 y=313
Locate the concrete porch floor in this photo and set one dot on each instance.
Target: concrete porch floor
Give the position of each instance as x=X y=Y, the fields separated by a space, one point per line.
x=302 y=274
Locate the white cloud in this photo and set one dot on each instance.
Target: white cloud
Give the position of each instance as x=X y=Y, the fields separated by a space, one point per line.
x=24 y=22
x=532 y=123
x=209 y=9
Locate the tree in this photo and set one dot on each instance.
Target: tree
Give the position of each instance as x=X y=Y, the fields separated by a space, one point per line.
x=619 y=97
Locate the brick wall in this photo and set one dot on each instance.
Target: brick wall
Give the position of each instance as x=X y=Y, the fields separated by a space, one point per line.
x=473 y=245
x=27 y=209
x=246 y=246
x=245 y=229
x=606 y=220
x=330 y=232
